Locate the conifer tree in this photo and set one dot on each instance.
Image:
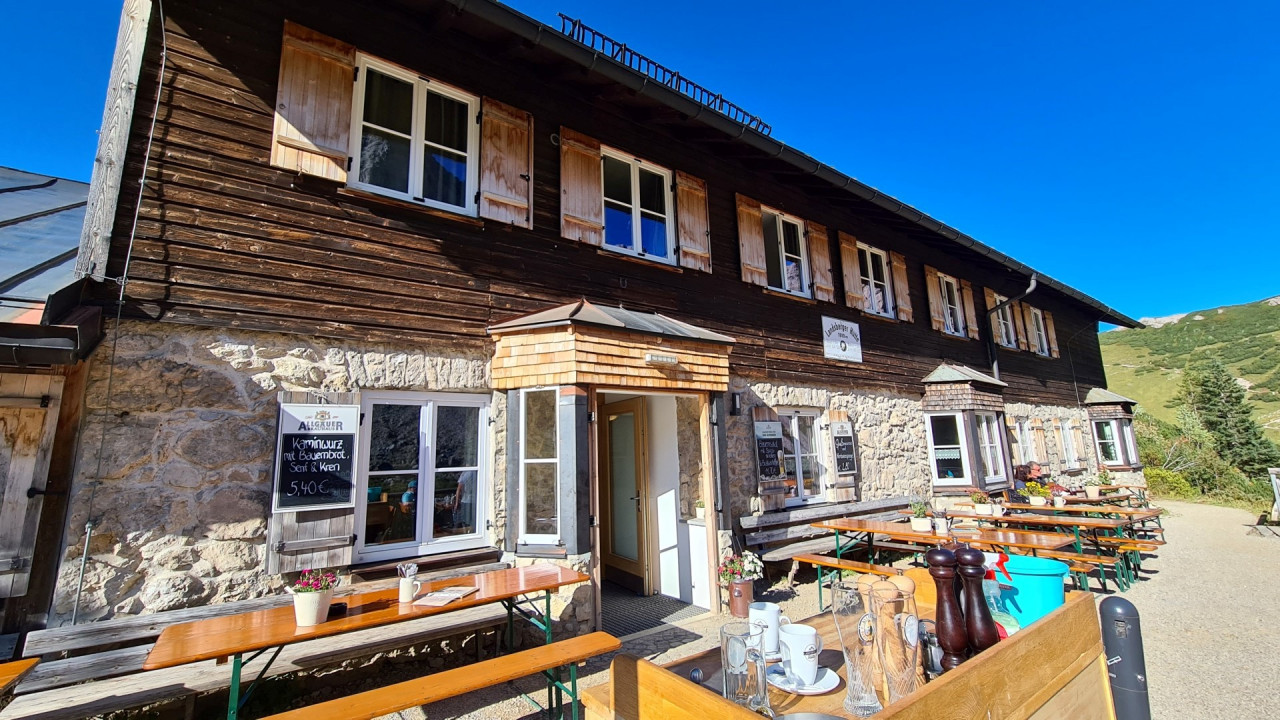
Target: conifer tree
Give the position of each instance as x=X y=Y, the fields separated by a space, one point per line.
x=1219 y=403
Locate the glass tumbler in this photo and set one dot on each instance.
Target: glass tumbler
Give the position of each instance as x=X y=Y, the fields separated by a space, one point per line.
x=897 y=632
x=856 y=627
x=742 y=657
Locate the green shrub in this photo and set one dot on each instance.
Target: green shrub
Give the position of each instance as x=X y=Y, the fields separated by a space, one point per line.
x=1167 y=483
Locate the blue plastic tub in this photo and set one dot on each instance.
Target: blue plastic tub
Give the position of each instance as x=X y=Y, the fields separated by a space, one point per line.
x=1037 y=587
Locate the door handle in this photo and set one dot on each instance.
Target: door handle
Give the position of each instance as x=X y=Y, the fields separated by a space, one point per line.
x=636 y=497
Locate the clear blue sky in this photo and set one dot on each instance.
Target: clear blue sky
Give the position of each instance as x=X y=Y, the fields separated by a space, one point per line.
x=1129 y=149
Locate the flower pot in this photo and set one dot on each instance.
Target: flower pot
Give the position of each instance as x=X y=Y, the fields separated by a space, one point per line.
x=700 y=513
x=1037 y=500
x=1059 y=501
x=741 y=595
x=1093 y=492
x=311 y=608
x=923 y=524
x=982 y=508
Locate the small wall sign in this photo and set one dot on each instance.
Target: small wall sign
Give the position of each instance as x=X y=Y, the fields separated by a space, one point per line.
x=315 y=457
x=769 y=449
x=841 y=340
x=846 y=456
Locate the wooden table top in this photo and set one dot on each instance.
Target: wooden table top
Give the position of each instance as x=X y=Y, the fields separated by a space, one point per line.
x=12 y=672
x=782 y=702
x=1100 y=500
x=232 y=634
x=1092 y=523
x=1109 y=509
x=977 y=536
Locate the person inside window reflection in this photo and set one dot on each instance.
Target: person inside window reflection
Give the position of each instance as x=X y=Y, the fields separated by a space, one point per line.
x=463 y=504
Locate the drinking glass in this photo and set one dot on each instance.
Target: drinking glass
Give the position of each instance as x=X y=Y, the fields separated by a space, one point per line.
x=742 y=657
x=897 y=633
x=856 y=627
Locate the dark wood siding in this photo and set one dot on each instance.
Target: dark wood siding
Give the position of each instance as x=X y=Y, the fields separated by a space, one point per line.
x=224 y=239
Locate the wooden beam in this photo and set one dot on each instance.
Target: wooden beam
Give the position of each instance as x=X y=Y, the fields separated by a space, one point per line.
x=113 y=139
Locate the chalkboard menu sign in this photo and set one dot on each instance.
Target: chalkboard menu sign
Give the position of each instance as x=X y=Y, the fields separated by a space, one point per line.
x=769 y=448
x=315 y=457
x=846 y=456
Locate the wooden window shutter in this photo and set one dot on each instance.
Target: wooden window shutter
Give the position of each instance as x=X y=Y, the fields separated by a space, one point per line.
x=693 y=225
x=312 y=538
x=506 y=164
x=1077 y=437
x=852 y=272
x=824 y=288
x=29 y=406
x=990 y=297
x=581 y=188
x=1029 y=322
x=1050 y=333
x=751 y=241
x=1019 y=324
x=1037 y=438
x=937 y=311
x=970 y=312
x=313 y=104
x=901 y=290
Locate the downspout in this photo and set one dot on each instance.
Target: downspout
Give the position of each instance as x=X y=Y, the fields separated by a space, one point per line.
x=991 y=336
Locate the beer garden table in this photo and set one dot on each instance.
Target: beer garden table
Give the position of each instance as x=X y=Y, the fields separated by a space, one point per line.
x=256 y=632
x=1113 y=526
x=1002 y=539
x=12 y=672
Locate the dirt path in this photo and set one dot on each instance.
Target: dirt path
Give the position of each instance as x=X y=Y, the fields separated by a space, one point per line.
x=1210 y=610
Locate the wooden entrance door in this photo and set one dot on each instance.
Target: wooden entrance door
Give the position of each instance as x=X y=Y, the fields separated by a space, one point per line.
x=28 y=420
x=624 y=494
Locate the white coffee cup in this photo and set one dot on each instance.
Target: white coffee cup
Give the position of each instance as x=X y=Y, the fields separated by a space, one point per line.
x=409 y=589
x=770 y=616
x=800 y=646
x=941 y=526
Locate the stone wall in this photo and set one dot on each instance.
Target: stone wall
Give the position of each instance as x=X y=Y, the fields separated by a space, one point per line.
x=175 y=467
x=892 y=448
x=689 y=449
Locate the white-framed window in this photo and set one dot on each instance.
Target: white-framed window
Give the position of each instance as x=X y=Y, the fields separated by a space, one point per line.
x=1115 y=442
x=414 y=138
x=424 y=485
x=802 y=456
x=877 y=290
x=948 y=453
x=1067 y=441
x=1039 y=336
x=539 y=467
x=952 y=312
x=1022 y=438
x=1006 y=336
x=638 y=207
x=990 y=450
x=786 y=257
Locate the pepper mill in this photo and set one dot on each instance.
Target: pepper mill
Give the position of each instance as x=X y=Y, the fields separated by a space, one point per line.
x=981 y=628
x=952 y=636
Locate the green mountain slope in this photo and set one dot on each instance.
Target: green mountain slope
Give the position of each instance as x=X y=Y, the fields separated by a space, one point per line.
x=1147 y=364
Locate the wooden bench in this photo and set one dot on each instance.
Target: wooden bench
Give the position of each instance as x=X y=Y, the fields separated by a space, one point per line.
x=112 y=677
x=780 y=535
x=1081 y=564
x=547 y=659
x=822 y=561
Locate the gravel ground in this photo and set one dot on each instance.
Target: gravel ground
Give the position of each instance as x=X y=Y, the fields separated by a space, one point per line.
x=1210 y=609
x=1210 y=654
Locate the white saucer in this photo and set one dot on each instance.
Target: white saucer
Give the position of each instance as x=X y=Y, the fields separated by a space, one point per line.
x=826 y=681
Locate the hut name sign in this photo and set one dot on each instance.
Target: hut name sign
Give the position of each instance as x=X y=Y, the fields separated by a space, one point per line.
x=315 y=456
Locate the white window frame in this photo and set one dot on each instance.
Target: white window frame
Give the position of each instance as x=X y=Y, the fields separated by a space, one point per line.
x=636 y=165
x=1067 y=441
x=1039 y=336
x=1122 y=438
x=1008 y=336
x=417 y=142
x=791 y=418
x=805 y=278
x=525 y=537
x=866 y=279
x=423 y=543
x=953 y=314
x=966 y=461
x=990 y=434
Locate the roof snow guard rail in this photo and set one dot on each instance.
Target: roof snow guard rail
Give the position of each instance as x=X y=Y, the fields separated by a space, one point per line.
x=594 y=39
